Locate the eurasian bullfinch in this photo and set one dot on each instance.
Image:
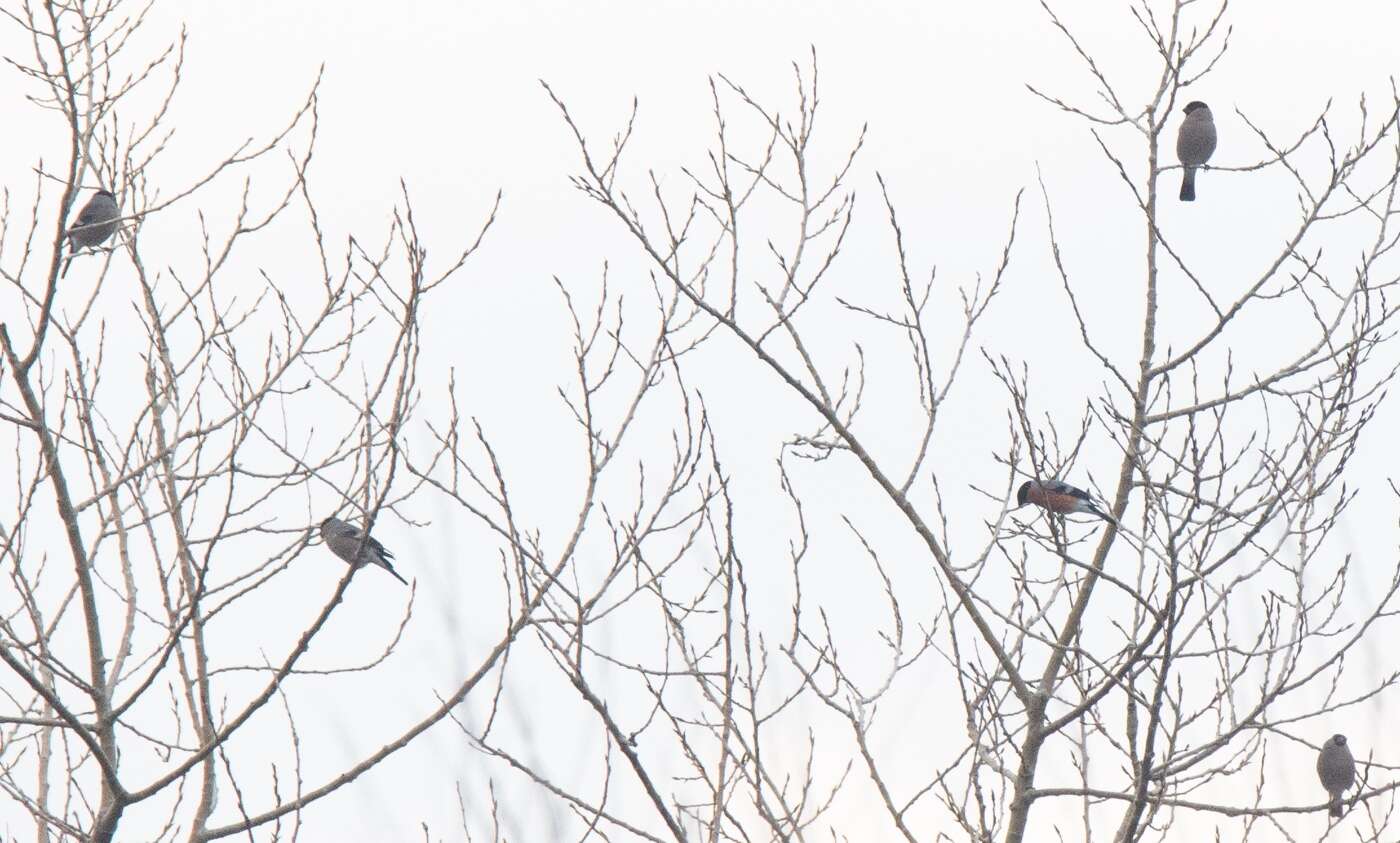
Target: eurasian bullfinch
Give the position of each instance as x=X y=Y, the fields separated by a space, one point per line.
x=1194 y=144
x=96 y=222
x=1059 y=498
x=1336 y=769
x=351 y=544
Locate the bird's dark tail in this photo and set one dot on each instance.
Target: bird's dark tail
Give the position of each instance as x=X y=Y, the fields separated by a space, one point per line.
x=385 y=566
x=1336 y=808
x=1188 y=184
x=1104 y=515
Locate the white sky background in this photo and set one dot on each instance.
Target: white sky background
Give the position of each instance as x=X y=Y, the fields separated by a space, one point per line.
x=446 y=97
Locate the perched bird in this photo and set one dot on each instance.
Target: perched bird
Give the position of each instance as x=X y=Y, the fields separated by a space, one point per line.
x=1194 y=144
x=351 y=544
x=96 y=223
x=1336 y=769
x=1057 y=497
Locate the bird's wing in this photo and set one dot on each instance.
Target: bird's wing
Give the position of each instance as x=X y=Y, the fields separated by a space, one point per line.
x=370 y=543
x=383 y=551
x=92 y=212
x=1062 y=488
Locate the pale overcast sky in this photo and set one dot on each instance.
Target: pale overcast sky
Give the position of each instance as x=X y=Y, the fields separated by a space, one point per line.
x=446 y=97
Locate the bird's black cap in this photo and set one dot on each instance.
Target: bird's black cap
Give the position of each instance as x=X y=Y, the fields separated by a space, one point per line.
x=1023 y=493
x=1193 y=105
